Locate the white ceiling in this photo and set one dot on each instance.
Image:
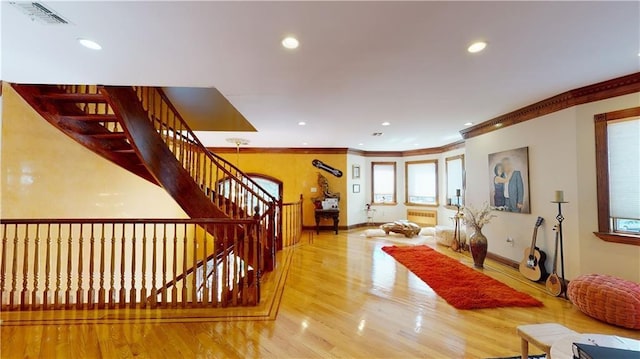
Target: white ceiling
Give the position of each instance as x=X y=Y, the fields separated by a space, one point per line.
x=359 y=63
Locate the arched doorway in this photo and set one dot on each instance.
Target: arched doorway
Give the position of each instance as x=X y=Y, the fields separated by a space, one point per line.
x=272 y=185
x=275 y=188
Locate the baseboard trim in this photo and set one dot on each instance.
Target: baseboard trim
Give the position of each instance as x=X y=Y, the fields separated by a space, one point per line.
x=364 y=225
x=344 y=228
x=324 y=228
x=503 y=260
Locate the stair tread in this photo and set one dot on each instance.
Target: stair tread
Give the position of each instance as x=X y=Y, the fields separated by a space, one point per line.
x=74 y=97
x=92 y=118
x=124 y=150
x=108 y=135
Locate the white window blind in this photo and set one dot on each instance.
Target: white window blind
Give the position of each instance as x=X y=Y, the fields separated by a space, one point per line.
x=422 y=183
x=624 y=168
x=384 y=182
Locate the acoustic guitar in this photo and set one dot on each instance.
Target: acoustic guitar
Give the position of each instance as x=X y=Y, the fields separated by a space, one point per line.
x=556 y=285
x=532 y=265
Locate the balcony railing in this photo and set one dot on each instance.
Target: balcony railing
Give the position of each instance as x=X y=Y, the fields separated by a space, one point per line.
x=116 y=263
x=291 y=230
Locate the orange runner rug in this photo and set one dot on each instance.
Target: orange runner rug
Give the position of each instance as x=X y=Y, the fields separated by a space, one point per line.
x=461 y=286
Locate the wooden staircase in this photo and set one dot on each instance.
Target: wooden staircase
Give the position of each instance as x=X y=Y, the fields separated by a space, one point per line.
x=89 y=120
x=138 y=129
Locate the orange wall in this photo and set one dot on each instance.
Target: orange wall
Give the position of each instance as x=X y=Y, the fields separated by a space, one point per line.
x=298 y=176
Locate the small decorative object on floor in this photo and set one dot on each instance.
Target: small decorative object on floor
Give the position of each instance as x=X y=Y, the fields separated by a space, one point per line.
x=477 y=218
x=409 y=229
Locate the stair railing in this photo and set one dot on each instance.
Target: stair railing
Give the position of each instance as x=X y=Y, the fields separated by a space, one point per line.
x=125 y=263
x=229 y=188
x=234 y=193
x=291 y=223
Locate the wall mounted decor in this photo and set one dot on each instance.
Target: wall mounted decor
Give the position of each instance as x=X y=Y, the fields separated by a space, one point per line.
x=323 y=166
x=509 y=180
x=356 y=171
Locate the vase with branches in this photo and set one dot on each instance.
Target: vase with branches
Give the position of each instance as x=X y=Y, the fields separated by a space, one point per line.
x=476 y=218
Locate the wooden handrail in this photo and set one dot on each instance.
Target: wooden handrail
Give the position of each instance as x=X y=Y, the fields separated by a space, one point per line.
x=128 y=259
x=225 y=221
x=193 y=138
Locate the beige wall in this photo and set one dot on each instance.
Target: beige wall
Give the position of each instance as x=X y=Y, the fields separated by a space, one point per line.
x=561 y=157
x=45 y=174
x=389 y=213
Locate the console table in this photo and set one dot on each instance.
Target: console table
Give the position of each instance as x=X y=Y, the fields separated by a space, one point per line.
x=329 y=214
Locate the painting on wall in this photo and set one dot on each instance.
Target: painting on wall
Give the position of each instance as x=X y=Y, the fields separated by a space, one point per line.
x=509 y=179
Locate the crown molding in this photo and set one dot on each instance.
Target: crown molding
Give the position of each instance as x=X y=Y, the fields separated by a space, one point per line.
x=409 y=153
x=283 y=150
x=600 y=91
x=340 y=150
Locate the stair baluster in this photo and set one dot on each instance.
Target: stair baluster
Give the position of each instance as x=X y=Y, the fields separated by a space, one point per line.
x=80 y=291
x=47 y=270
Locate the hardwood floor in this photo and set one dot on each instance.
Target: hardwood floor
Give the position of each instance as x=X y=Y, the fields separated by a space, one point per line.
x=343 y=297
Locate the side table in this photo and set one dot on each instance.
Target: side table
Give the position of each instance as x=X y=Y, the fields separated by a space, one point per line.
x=328 y=214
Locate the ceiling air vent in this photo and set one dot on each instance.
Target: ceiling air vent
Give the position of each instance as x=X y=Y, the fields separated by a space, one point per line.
x=40 y=13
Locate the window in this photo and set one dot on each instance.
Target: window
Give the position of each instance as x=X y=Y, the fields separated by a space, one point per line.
x=383 y=182
x=618 y=169
x=455 y=179
x=422 y=183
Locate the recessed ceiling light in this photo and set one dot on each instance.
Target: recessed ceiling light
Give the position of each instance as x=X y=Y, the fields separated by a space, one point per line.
x=90 y=44
x=385 y=123
x=469 y=124
x=304 y=143
x=301 y=123
x=290 y=42
x=360 y=144
x=477 y=47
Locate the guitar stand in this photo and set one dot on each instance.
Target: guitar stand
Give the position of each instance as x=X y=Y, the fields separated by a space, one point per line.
x=560 y=218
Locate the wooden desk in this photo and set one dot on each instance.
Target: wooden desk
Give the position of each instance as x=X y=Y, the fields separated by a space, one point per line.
x=329 y=214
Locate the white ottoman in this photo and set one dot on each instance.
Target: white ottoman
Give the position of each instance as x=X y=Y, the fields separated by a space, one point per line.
x=445 y=234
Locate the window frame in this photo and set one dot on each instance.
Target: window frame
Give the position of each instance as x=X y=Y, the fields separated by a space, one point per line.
x=395 y=184
x=605 y=230
x=406 y=183
x=464 y=181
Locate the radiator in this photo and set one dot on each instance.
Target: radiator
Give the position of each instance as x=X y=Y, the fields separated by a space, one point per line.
x=423 y=217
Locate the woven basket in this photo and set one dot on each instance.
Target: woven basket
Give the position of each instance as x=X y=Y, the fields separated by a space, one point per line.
x=609 y=299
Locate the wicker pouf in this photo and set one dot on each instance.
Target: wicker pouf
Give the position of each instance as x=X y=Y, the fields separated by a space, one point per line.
x=610 y=299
